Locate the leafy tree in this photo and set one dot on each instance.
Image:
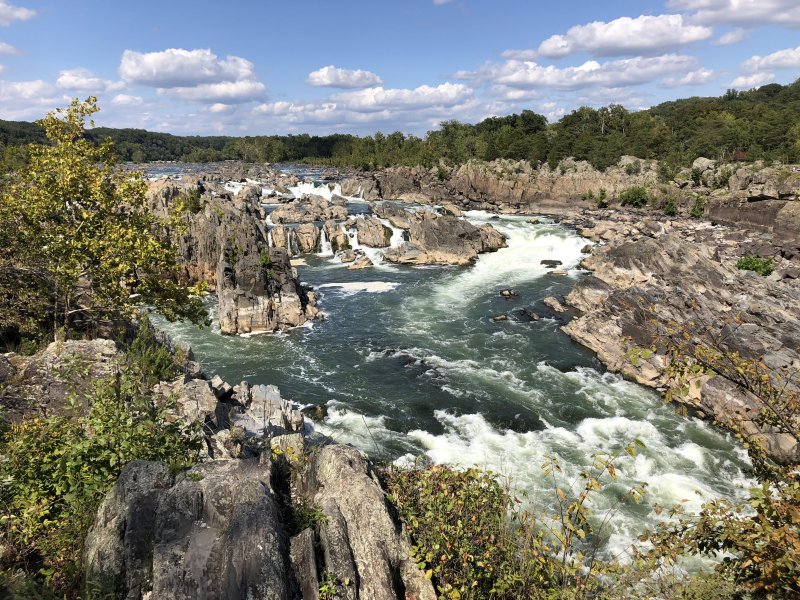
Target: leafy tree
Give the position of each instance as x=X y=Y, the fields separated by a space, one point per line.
x=81 y=229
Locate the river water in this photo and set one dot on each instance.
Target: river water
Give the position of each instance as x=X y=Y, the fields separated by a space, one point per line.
x=410 y=363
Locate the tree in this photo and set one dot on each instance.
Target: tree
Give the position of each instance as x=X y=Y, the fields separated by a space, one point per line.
x=79 y=229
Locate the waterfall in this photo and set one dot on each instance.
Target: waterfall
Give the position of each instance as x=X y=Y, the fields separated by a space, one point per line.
x=325 y=248
x=270 y=241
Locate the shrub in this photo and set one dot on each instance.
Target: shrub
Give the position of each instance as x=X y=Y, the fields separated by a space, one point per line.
x=602 y=198
x=698 y=209
x=670 y=206
x=697 y=176
x=635 y=196
x=633 y=168
x=55 y=471
x=762 y=266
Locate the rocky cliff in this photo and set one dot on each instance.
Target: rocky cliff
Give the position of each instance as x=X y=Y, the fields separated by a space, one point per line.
x=223 y=242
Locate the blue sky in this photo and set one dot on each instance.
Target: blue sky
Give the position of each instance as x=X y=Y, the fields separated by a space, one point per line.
x=358 y=66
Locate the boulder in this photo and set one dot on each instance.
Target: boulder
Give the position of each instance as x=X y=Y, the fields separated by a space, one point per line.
x=213 y=532
x=336 y=236
x=373 y=233
x=308 y=236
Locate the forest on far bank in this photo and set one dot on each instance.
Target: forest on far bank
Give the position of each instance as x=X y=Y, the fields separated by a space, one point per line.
x=760 y=124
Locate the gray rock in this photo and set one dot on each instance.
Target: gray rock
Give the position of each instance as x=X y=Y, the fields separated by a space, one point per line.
x=216 y=532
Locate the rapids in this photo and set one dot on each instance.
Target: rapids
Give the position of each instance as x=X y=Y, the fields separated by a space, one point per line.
x=410 y=363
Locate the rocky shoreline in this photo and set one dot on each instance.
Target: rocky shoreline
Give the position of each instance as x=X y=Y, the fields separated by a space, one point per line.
x=646 y=265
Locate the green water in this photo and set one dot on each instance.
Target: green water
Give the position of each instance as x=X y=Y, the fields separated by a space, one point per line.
x=423 y=369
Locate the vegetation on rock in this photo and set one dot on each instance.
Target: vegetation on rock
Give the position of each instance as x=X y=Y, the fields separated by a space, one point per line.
x=762 y=266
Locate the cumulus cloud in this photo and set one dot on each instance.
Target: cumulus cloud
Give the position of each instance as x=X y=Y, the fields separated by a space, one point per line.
x=224 y=92
x=752 y=81
x=378 y=98
x=335 y=77
x=618 y=73
x=732 y=37
x=626 y=35
x=424 y=106
x=177 y=68
x=29 y=99
x=10 y=13
x=747 y=13
x=7 y=49
x=697 y=77
x=83 y=80
x=783 y=59
x=126 y=100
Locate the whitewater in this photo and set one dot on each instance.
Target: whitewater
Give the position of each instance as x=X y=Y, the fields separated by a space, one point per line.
x=412 y=366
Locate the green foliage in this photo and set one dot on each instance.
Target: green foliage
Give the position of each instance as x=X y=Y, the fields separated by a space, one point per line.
x=149 y=357
x=55 y=471
x=304 y=515
x=758 y=542
x=80 y=231
x=473 y=539
x=698 y=208
x=697 y=175
x=191 y=202
x=670 y=206
x=329 y=586
x=635 y=196
x=602 y=198
x=633 y=168
x=762 y=266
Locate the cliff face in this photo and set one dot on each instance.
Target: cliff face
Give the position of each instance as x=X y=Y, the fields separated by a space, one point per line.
x=224 y=243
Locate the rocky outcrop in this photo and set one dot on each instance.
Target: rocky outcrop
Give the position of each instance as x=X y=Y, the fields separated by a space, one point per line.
x=371 y=232
x=654 y=277
x=308 y=210
x=224 y=243
x=308 y=236
x=213 y=532
x=44 y=383
x=436 y=239
x=336 y=236
x=230 y=526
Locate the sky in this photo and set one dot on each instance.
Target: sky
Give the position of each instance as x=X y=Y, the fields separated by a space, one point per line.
x=205 y=67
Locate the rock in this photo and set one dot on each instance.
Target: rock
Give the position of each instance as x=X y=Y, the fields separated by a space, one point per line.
x=554 y=304
x=445 y=240
x=308 y=237
x=360 y=539
x=304 y=563
x=337 y=238
x=550 y=264
x=347 y=256
x=397 y=216
x=790 y=273
x=452 y=210
x=214 y=532
x=704 y=164
x=43 y=383
x=373 y=233
x=508 y=294
x=361 y=261
x=587 y=249
x=534 y=221
x=500 y=318
x=559 y=272
x=226 y=246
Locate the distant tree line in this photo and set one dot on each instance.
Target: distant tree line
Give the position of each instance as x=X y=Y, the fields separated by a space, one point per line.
x=758 y=124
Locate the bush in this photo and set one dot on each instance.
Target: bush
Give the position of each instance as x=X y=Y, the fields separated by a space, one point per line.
x=762 y=266
x=670 y=206
x=697 y=176
x=602 y=198
x=55 y=471
x=635 y=196
x=633 y=168
x=698 y=209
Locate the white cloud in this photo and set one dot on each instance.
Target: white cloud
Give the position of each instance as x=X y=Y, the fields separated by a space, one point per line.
x=126 y=100
x=747 y=13
x=6 y=48
x=618 y=73
x=178 y=68
x=437 y=2
x=29 y=99
x=10 y=13
x=83 y=80
x=752 y=81
x=696 y=77
x=520 y=54
x=331 y=76
x=378 y=98
x=783 y=59
x=223 y=92
x=626 y=35
x=733 y=37
x=219 y=107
